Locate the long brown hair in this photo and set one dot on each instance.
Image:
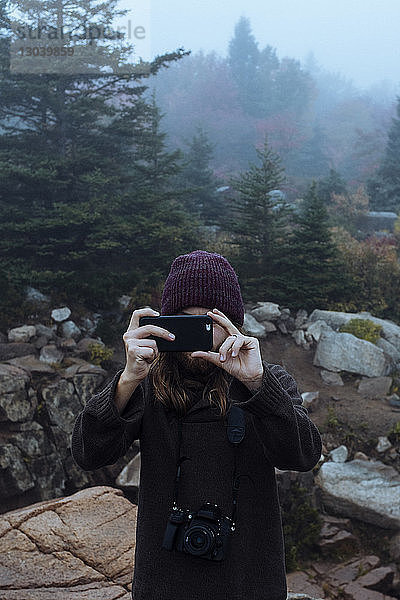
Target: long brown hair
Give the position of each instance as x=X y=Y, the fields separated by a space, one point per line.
x=171 y=389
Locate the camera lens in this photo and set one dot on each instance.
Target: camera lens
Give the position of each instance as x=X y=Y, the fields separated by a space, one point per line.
x=198 y=540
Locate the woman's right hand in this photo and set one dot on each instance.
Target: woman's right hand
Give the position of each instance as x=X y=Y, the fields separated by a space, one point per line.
x=141 y=351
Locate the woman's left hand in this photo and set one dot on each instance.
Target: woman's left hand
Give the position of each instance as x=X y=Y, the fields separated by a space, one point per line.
x=238 y=354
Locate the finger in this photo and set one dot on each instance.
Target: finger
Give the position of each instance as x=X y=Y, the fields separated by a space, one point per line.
x=213 y=357
x=143 y=342
x=141 y=312
x=232 y=345
x=145 y=330
x=222 y=320
x=145 y=354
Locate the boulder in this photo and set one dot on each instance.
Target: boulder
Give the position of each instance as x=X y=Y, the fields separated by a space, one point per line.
x=390 y=330
x=331 y=378
x=70 y=330
x=253 y=327
x=374 y=387
x=365 y=490
x=51 y=354
x=266 y=311
x=80 y=546
x=60 y=314
x=34 y=296
x=21 y=334
x=339 y=454
x=13 y=349
x=15 y=404
x=343 y=351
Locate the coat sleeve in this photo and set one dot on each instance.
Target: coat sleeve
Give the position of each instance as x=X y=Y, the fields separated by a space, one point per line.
x=101 y=435
x=289 y=438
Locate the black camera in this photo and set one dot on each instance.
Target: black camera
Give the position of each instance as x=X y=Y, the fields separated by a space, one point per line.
x=205 y=533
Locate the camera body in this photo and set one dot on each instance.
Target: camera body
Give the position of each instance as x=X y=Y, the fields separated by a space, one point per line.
x=205 y=533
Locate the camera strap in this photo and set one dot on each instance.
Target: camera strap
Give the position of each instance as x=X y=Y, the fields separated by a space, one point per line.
x=236 y=429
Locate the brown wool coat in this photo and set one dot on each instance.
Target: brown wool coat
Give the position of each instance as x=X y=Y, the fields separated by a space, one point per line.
x=279 y=434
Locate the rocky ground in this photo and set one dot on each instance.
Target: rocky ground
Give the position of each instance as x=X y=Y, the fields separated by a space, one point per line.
x=354 y=560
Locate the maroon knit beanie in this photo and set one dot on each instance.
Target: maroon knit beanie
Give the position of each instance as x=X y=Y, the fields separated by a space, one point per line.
x=206 y=279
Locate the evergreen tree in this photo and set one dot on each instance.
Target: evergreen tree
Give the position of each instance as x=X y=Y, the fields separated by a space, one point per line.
x=267 y=72
x=311 y=160
x=259 y=224
x=69 y=209
x=243 y=59
x=384 y=188
x=314 y=271
x=200 y=183
x=331 y=184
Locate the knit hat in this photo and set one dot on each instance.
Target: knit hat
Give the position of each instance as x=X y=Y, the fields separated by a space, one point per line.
x=206 y=279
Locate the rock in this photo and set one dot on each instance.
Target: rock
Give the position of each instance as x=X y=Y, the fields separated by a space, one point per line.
x=365 y=490
x=344 y=574
x=334 y=537
x=299 y=581
x=51 y=355
x=33 y=295
x=345 y=352
x=82 y=347
x=390 y=330
x=68 y=344
x=266 y=311
x=294 y=596
x=285 y=314
x=15 y=477
x=13 y=349
x=89 y=325
x=253 y=327
x=298 y=335
x=76 y=546
x=383 y=444
x=70 y=330
x=379 y=579
x=339 y=454
x=391 y=351
x=46 y=331
x=15 y=405
x=82 y=367
x=374 y=387
x=394 y=400
x=31 y=364
x=310 y=400
x=60 y=314
x=129 y=478
x=282 y=327
x=331 y=378
x=361 y=456
x=354 y=591
x=315 y=329
x=301 y=318
x=21 y=334
x=394 y=547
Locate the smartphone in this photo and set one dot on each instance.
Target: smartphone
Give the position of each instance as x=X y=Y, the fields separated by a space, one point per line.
x=192 y=332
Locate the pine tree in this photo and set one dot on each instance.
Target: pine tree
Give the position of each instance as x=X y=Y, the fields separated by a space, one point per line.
x=199 y=181
x=314 y=272
x=331 y=184
x=67 y=169
x=384 y=188
x=259 y=224
x=243 y=60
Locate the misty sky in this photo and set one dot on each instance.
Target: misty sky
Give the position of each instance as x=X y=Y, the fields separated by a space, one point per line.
x=358 y=38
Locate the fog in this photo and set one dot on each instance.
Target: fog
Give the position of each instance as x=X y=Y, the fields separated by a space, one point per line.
x=359 y=39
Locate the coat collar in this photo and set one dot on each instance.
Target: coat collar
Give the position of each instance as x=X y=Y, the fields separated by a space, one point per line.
x=237 y=392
